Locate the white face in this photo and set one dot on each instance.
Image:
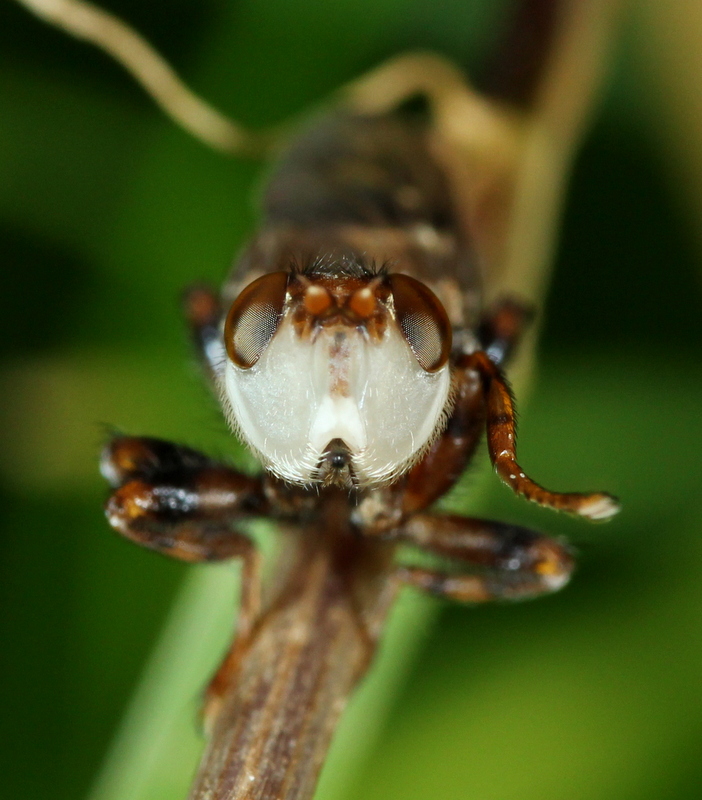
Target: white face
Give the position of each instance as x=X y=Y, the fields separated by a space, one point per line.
x=336 y=384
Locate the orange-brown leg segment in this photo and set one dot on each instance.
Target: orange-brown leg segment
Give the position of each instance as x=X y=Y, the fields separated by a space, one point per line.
x=175 y=500
x=501 y=439
x=514 y=562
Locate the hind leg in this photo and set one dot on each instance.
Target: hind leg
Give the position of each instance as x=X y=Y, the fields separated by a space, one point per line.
x=514 y=563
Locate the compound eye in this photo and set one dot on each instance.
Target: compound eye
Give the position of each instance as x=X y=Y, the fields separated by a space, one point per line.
x=423 y=321
x=254 y=317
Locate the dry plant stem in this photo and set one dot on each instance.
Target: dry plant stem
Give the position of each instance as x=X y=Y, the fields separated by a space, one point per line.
x=86 y=21
x=305 y=656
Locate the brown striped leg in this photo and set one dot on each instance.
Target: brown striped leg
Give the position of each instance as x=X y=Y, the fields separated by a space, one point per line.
x=446 y=460
x=181 y=503
x=501 y=329
x=203 y=314
x=178 y=501
x=516 y=563
x=501 y=439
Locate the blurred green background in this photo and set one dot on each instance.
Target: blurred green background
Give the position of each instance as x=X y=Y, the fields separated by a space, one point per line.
x=107 y=211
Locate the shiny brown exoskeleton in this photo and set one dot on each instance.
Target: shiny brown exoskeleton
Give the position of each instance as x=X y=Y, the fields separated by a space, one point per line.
x=352 y=352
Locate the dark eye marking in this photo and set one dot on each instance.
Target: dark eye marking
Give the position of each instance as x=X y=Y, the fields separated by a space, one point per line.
x=423 y=321
x=254 y=318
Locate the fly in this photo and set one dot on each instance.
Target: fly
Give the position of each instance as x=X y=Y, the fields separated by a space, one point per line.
x=354 y=353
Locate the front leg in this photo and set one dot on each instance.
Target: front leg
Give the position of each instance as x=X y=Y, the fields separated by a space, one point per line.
x=175 y=500
x=514 y=563
x=499 y=334
x=183 y=504
x=502 y=446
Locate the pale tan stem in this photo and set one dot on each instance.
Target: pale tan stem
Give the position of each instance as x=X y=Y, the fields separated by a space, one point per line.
x=300 y=666
x=86 y=21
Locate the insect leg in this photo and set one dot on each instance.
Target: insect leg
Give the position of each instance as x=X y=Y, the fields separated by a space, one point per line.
x=500 y=330
x=203 y=313
x=501 y=439
x=175 y=500
x=179 y=502
x=517 y=563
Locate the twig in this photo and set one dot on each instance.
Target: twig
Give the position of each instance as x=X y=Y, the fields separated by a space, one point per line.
x=86 y=21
